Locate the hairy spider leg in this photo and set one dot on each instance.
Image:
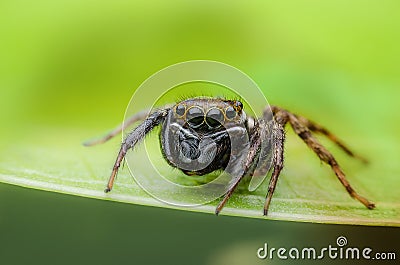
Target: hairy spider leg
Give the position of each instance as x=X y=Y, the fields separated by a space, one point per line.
x=255 y=143
x=131 y=120
x=305 y=134
x=281 y=118
x=133 y=138
x=264 y=164
x=314 y=127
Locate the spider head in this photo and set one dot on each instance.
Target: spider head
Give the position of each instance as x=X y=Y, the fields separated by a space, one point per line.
x=208 y=114
x=195 y=136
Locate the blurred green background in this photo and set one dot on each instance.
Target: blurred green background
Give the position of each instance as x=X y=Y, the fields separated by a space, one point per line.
x=69 y=68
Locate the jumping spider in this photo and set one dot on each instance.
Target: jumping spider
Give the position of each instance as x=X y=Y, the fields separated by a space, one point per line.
x=197 y=119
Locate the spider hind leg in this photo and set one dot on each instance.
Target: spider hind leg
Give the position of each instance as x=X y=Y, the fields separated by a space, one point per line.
x=314 y=127
x=305 y=134
x=131 y=120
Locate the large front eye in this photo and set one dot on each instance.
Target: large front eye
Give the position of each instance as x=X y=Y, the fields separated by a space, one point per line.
x=195 y=117
x=214 y=117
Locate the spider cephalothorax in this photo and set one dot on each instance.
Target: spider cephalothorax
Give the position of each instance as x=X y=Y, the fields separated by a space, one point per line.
x=201 y=135
x=195 y=134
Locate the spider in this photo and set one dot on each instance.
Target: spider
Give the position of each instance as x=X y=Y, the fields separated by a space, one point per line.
x=198 y=122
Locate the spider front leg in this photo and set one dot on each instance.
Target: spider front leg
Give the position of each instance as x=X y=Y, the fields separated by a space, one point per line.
x=133 y=138
x=254 y=148
x=278 y=134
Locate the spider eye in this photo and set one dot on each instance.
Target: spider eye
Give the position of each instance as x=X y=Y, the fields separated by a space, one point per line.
x=230 y=113
x=238 y=105
x=214 y=117
x=180 y=110
x=195 y=117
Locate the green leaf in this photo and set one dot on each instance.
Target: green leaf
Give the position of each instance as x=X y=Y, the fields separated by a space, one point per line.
x=65 y=73
x=54 y=160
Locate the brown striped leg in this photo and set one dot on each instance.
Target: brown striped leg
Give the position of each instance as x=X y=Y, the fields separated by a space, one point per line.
x=301 y=130
x=314 y=127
